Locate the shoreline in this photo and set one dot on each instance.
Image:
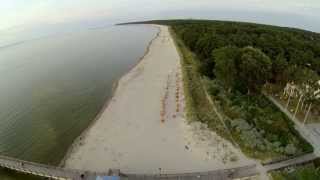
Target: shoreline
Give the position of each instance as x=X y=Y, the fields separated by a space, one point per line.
x=144 y=130
x=115 y=85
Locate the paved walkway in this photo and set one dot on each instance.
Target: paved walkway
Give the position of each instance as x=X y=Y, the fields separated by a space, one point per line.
x=227 y=174
x=290 y=162
x=62 y=173
x=45 y=170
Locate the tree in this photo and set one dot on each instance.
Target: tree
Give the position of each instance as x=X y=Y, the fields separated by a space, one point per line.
x=278 y=69
x=305 y=75
x=289 y=74
x=225 y=65
x=254 y=68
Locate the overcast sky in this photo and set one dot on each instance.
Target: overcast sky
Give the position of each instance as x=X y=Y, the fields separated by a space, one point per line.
x=298 y=13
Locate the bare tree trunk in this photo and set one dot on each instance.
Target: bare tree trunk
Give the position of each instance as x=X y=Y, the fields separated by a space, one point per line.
x=306 y=117
x=289 y=99
x=306 y=109
x=302 y=104
x=295 y=113
x=285 y=91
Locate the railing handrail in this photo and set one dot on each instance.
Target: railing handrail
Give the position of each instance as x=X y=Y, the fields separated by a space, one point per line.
x=54 y=171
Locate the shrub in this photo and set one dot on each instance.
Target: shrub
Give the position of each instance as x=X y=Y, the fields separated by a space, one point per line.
x=290 y=149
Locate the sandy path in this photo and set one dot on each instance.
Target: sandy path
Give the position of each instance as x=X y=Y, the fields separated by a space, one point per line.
x=144 y=129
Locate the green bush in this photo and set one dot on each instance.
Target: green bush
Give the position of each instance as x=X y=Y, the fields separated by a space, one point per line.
x=308 y=172
x=258 y=126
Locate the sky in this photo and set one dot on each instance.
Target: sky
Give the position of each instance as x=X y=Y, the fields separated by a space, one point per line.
x=15 y=14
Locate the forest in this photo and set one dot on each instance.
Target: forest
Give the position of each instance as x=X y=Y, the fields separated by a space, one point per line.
x=238 y=64
x=292 y=52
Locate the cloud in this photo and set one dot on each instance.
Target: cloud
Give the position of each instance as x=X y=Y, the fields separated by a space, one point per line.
x=15 y=12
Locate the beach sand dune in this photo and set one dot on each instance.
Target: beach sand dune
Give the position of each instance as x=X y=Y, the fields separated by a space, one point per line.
x=143 y=129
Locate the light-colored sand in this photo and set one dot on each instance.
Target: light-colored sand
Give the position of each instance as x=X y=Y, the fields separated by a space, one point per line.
x=144 y=129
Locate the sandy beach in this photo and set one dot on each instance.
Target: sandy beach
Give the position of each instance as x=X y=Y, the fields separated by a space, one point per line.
x=144 y=129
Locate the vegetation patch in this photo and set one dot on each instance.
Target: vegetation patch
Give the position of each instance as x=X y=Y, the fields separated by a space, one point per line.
x=198 y=107
x=261 y=130
x=308 y=171
x=235 y=63
x=8 y=174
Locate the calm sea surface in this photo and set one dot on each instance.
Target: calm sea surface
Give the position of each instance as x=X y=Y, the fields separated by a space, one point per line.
x=52 y=88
